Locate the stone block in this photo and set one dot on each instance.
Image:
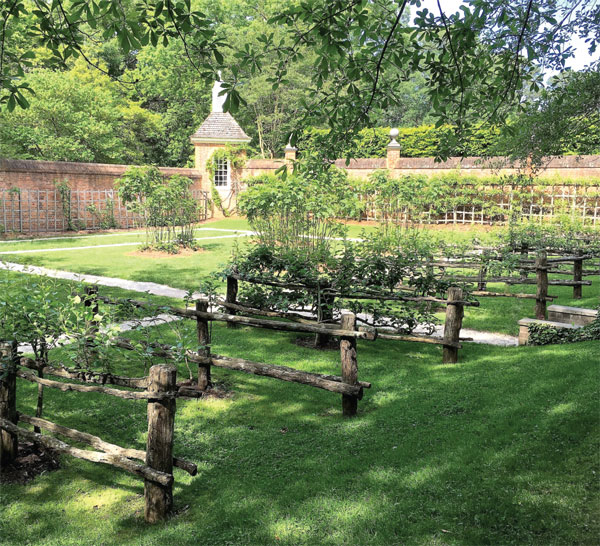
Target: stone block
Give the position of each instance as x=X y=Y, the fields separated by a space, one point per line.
x=526 y=322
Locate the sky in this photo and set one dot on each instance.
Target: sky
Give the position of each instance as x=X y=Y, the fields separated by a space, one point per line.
x=578 y=62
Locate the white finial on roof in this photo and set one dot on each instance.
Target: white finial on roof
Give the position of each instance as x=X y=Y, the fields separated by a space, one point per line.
x=218 y=101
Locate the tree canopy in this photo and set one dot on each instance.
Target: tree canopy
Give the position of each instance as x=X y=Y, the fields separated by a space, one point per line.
x=342 y=64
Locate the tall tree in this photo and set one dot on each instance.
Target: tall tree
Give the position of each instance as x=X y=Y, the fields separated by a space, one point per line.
x=479 y=62
x=79 y=115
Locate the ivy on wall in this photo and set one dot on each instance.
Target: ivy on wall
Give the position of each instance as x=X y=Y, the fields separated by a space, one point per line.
x=236 y=156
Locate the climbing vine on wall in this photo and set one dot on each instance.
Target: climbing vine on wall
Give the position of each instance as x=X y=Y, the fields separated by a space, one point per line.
x=64 y=192
x=236 y=156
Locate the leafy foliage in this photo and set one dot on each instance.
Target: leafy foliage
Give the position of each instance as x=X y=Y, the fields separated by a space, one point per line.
x=543 y=334
x=339 y=63
x=79 y=115
x=420 y=198
x=166 y=206
x=303 y=260
x=43 y=313
x=299 y=212
x=429 y=141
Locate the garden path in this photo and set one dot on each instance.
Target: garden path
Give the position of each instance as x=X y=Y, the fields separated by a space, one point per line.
x=488 y=338
x=137 y=243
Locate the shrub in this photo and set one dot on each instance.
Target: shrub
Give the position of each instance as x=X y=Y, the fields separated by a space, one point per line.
x=543 y=334
x=430 y=141
x=167 y=207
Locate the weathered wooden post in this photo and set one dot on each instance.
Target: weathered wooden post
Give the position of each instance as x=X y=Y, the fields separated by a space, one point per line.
x=231 y=297
x=159 y=447
x=578 y=275
x=524 y=255
x=91 y=300
x=482 y=284
x=541 y=273
x=453 y=324
x=8 y=401
x=349 y=364
x=203 y=330
x=324 y=314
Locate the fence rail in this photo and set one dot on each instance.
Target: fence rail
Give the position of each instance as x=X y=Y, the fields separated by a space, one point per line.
x=50 y=211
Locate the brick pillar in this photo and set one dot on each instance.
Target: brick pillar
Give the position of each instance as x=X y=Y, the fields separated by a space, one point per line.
x=393 y=150
x=290 y=156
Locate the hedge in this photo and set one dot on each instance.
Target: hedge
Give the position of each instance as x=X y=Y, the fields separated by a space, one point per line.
x=425 y=141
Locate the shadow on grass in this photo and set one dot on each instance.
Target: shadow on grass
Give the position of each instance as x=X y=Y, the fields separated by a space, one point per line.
x=499 y=449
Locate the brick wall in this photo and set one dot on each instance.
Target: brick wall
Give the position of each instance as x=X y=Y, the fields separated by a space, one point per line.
x=28 y=174
x=563 y=167
x=41 y=175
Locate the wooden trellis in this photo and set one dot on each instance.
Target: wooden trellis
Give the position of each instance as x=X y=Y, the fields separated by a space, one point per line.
x=43 y=211
x=533 y=202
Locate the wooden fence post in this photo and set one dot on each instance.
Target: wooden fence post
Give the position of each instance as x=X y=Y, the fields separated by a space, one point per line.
x=349 y=364
x=8 y=401
x=159 y=447
x=231 y=297
x=482 y=284
x=202 y=327
x=524 y=255
x=91 y=300
x=578 y=275
x=453 y=324
x=324 y=314
x=541 y=272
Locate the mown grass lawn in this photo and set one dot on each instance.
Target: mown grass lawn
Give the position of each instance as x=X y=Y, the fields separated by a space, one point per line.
x=501 y=448
x=494 y=315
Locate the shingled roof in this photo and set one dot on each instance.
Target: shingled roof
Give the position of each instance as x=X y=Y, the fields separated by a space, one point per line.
x=222 y=127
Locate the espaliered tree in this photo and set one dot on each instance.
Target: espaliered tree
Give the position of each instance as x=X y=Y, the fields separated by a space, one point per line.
x=165 y=206
x=302 y=260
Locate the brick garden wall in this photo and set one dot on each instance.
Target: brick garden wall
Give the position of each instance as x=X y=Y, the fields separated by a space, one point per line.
x=94 y=183
x=30 y=202
x=41 y=175
x=562 y=167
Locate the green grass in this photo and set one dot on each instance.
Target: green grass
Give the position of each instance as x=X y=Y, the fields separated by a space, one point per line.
x=65 y=288
x=502 y=314
x=501 y=448
x=494 y=315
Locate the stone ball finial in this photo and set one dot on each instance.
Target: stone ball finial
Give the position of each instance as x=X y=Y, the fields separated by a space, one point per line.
x=393 y=142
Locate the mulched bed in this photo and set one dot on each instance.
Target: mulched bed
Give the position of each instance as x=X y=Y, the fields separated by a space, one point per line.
x=218 y=389
x=32 y=460
x=333 y=345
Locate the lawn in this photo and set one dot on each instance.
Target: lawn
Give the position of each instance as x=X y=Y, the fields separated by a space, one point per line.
x=501 y=448
x=494 y=315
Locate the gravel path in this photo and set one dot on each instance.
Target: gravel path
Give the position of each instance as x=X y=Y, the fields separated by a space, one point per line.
x=65 y=249
x=136 y=286
x=487 y=338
